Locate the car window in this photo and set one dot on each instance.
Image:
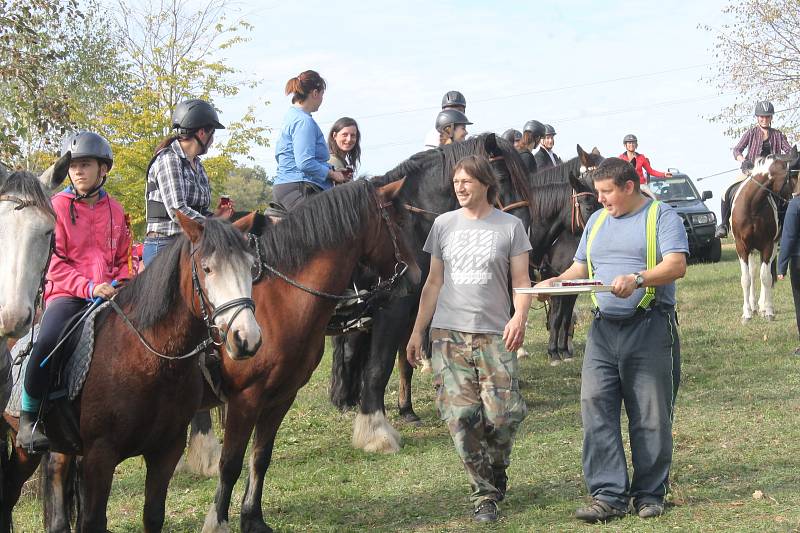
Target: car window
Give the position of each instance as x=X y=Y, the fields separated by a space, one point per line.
x=673 y=189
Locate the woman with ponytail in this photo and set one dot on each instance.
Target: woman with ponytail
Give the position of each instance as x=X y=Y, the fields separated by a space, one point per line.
x=301 y=151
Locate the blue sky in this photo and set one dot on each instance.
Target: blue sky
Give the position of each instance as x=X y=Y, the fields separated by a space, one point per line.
x=594 y=70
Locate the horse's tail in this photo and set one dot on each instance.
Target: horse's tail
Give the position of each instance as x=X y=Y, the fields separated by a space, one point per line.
x=60 y=491
x=350 y=354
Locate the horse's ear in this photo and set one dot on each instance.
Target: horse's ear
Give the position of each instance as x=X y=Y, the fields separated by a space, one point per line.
x=576 y=183
x=583 y=156
x=595 y=151
x=390 y=191
x=192 y=228
x=490 y=145
x=245 y=224
x=53 y=176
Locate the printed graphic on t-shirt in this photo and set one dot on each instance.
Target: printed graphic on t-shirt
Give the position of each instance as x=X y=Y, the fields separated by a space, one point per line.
x=469 y=253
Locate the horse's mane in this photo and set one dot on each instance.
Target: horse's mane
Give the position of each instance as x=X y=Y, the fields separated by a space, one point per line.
x=324 y=221
x=548 y=199
x=151 y=294
x=557 y=174
x=27 y=186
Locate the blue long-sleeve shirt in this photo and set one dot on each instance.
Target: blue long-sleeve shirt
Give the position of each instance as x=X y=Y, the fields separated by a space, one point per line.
x=790 y=238
x=301 y=152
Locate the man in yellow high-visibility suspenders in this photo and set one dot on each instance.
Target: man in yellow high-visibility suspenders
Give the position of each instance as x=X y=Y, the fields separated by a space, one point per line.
x=639 y=247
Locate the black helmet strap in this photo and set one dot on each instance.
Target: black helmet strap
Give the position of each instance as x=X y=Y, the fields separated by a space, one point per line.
x=95 y=190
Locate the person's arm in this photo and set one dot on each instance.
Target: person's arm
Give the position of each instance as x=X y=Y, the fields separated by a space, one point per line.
x=61 y=273
x=741 y=145
x=577 y=270
x=788 y=237
x=514 y=332
x=427 y=306
x=654 y=173
x=783 y=142
x=304 y=145
x=169 y=176
x=672 y=267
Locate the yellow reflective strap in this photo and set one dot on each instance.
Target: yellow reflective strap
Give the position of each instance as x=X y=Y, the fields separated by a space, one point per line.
x=599 y=222
x=651 y=238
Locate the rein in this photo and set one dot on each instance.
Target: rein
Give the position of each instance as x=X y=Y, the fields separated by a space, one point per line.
x=576 y=218
x=215 y=336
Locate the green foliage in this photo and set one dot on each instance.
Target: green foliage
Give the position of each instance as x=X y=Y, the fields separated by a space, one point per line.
x=757 y=55
x=248 y=188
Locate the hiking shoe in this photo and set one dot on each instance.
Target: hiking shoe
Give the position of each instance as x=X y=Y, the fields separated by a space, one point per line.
x=486 y=511
x=500 y=482
x=651 y=510
x=30 y=436
x=599 y=511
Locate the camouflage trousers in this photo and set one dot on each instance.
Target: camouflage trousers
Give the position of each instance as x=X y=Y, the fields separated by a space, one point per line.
x=478 y=397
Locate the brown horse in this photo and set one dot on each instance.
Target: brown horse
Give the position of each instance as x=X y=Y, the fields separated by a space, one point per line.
x=756 y=229
x=306 y=261
x=144 y=383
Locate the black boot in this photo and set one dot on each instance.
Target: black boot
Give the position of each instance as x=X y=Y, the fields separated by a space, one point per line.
x=30 y=436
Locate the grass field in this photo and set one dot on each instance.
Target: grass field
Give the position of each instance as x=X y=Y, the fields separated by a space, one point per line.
x=736 y=433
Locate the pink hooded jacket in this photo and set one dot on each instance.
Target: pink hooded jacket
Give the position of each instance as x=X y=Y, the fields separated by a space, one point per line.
x=93 y=250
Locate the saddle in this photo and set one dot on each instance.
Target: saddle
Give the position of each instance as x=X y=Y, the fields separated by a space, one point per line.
x=71 y=365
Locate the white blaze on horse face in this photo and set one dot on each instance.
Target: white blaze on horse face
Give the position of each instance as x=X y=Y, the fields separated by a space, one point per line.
x=24 y=250
x=227 y=280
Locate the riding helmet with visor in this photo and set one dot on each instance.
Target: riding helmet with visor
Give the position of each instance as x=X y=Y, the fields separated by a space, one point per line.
x=191 y=115
x=88 y=144
x=453 y=98
x=512 y=135
x=448 y=117
x=535 y=127
x=630 y=138
x=549 y=130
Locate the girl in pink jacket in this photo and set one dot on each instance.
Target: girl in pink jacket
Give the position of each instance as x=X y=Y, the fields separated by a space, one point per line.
x=92 y=248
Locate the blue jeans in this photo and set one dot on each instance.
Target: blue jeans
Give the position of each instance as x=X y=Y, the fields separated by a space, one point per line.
x=153 y=245
x=635 y=362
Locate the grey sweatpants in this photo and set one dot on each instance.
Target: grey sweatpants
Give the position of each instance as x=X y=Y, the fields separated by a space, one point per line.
x=635 y=362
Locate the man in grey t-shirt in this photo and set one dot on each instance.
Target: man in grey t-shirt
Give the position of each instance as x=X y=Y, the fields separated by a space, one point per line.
x=632 y=349
x=474 y=251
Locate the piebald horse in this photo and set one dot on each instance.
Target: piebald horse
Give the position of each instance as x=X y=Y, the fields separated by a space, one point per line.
x=756 y=229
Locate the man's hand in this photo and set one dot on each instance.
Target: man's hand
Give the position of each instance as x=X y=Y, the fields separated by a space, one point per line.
x=414 y=349
x=514 y=333
x=104 y=290
x=623 y=286
x=541 y=284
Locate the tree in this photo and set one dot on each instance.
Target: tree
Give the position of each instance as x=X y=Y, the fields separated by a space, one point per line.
x=249 y=188
x=758 y=56
x=173 y=53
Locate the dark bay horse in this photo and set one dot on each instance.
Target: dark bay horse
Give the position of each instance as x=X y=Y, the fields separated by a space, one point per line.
x=562 y=200
x=363 y=361
x=756 y=229
x=144 y=383
x=306 y=261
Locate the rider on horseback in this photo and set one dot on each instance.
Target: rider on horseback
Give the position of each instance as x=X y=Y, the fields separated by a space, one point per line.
x=450 y=100
x=92 y=248
x=452 y=126
x=759 y=141
x=532 y=133
x=545 y=156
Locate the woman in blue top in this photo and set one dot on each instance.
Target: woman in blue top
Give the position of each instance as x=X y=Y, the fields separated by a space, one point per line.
x=789 y=257
x=301 y=151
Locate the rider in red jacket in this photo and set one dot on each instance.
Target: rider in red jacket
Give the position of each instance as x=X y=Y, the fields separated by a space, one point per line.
x=640 y=161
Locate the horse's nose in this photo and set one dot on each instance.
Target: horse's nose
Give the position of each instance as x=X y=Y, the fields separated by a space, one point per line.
x=14 y=321
x=245 y=348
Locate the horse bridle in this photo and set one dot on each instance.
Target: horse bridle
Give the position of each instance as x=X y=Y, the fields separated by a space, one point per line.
x=778 y=196
x=381 y=286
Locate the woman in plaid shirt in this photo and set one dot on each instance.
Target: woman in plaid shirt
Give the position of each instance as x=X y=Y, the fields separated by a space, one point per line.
x=176 y=179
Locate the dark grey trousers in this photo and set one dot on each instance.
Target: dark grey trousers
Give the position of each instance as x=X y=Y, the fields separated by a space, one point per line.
x=636 y=362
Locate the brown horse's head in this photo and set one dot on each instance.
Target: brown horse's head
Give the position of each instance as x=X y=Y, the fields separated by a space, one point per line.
x=388 y=249
x=220 y=258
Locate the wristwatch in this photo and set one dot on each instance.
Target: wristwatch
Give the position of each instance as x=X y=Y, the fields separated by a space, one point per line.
x=639 y=279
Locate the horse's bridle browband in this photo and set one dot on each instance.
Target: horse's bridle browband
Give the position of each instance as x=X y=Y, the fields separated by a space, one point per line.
x=400 y=267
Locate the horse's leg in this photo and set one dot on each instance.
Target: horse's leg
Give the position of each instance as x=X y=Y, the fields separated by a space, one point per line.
x=405 y=372
x=57 y=476
x=754 y=271
x=97 y=473
x=202 y=456
x=252 y=517
x=371 y=431
x=19 y=469
x=566 y=327
x=766 y=302
x=160 y=467
x=747 y=313
x=239 y=422
x=553 y=328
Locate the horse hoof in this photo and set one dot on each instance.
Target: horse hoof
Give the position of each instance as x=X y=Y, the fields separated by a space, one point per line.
x=254 y=526
x=568 y=358
x=555 y=360
x=746 y=319
x=769 y=318
x=410 y=417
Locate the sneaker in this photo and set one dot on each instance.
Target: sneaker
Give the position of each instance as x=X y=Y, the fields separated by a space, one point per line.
x=486 y=511
x=599 y=511
x=500 y=479
x=650 y=510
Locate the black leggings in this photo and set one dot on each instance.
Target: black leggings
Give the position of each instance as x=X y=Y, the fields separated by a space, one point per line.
x=55 y=318
x=290 y=195
x=794 y=273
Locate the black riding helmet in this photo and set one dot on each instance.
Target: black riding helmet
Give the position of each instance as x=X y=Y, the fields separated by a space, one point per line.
x=512 y=135
x=630 y=138
x=191 y=115
x=88 y=144
x=446 y=117
x=764 y=108
x=549 y=130
x=452 y=98
x=535 y=127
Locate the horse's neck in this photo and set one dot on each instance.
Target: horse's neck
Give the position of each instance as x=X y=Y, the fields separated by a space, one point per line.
x=758 y=196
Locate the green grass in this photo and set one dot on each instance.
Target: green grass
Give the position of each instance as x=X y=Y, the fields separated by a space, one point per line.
x=736 y=432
